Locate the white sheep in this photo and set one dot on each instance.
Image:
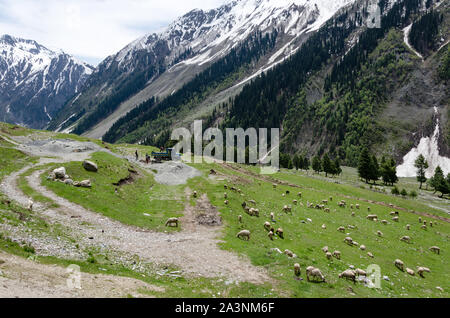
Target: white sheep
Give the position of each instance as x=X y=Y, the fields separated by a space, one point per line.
x=270 y=235
x=195 y=194
x=362 y=247
x=360 y=272
x=385 y=222
x=294 y=202
x=341 y=229
x=379 y=233
x=272 y=217
x=287 y=209
x=314 y=272
x=421 y=270
x=348 y=240
x=225 y=196
x=423 y=227
x=408 y=227
x=226 y=202
x=244 y=234
x=328 y=255
x=370 y=254
x=337 y=254
x=299 y=194
x=410 y=271
x=267 y=226
x=325 y=249
x=280 y=233
x=348 y=274
x=406 y=239
x=357 y=206
x=353 y=214
x=435 y=249
x=395 y=219
x=171 y=221
x=240 y=218
x=289 y=253
x=297 y=269
x=372 y=217
x=420 y=219
x=324 y=226
x=399 y=264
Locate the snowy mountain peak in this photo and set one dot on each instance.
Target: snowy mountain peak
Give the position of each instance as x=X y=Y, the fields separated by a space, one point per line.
x=35 y=81
x=213 y=33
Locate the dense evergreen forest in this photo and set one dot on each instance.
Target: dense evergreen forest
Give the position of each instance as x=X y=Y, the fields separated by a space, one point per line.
x=424 y=31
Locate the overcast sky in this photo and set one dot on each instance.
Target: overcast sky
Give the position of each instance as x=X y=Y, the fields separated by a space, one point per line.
x=91 y=29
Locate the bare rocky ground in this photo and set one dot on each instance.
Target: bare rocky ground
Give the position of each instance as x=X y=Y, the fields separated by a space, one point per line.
x=23 y=278
x=194 y=249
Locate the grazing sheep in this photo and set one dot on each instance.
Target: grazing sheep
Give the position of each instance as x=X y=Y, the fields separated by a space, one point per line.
x=351 y=206
x=328 y=255
x=272 y=217
x=225 y=186
x=431 y=223
x=420 y=219
x=391 y=205
x=399 y=264
x=172 y=221
x=195 y=194
x=30 y=205
x=353 y=214
x=351 y=227
x=331 y=198
x=423 y=227
x=425 y=222
x=370 y=254
x=226 y=202
x=252 y=201
x=239 y=190
x=288 y=192
x=324 y=226
x=348 y=274
x=357 y=206
x=287 y=209
x=392 y=213
x=362 y=247
x=289 y=253
x=225 y=195
x=270 y=235
x=337 y=254
x=325 y=249
x=368 y=209
x=408 y=227
x=348 y=240
x=244 y=204
x=435 y=249
x=395 y=219
x=297 y=269
x=385 y=222
x=379 y=233
x=360 y=272
x=341 y=229
x=410 y=271
x=341 y=204
x=240 y=218
x=295 y=202
x=267 y=226
x=421 y=270
x=279 y=232
x=314 y=272
x=325 y=201
x=244 y=234
x=327 y=210
x=372 y=217
x=274 y=186
x=253 y=212
x=283 y=195
x=299 y=194
x=405 y=239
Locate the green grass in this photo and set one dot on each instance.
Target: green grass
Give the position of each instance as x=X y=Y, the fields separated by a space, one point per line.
x=131 y=201
x=306 y=240
x=23 y=185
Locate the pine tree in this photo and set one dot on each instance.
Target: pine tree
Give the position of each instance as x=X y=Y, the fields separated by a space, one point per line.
x=317 y=164
x=337 y=167
x=297 y=161
x=439 y=183
x=327 y=165
x=306 y=163
x=374 y=169
x=365 y=168
x=421 y=164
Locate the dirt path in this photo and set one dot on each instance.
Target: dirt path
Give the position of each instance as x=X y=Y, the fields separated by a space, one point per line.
x=194 y=249
x=22 y=278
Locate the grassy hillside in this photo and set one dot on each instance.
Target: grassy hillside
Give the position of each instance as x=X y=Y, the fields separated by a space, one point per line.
x=303 y=232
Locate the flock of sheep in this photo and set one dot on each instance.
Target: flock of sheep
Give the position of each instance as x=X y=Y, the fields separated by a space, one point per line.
x=313 y=273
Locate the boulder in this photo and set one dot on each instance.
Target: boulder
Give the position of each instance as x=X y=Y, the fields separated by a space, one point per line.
x=59 y=173
x=90 y=166
x=85 y=184
x=68 y=181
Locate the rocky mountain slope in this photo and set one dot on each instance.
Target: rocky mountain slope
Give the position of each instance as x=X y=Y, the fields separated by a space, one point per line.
x=159 y=64
x=35 y=82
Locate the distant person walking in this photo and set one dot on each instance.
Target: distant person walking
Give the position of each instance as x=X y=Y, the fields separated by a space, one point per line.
x=137 y=155
x=147 y=158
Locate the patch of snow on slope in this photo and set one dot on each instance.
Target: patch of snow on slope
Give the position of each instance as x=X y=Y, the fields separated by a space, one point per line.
x=428 y=147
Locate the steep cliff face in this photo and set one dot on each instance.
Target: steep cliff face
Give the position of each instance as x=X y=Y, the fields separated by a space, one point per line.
x=35 y=82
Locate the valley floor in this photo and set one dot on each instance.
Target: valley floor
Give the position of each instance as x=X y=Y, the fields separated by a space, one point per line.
x=115 y=232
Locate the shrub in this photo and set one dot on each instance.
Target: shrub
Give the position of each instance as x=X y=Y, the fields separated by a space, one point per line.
x=413 y=194
x=404 y=193
x=395 y=191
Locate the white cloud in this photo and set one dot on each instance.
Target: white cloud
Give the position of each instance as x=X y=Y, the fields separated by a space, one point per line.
x=91 y=29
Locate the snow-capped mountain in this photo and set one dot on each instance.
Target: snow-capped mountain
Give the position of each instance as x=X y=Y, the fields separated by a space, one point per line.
x=190 y=44
x=35 y=82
